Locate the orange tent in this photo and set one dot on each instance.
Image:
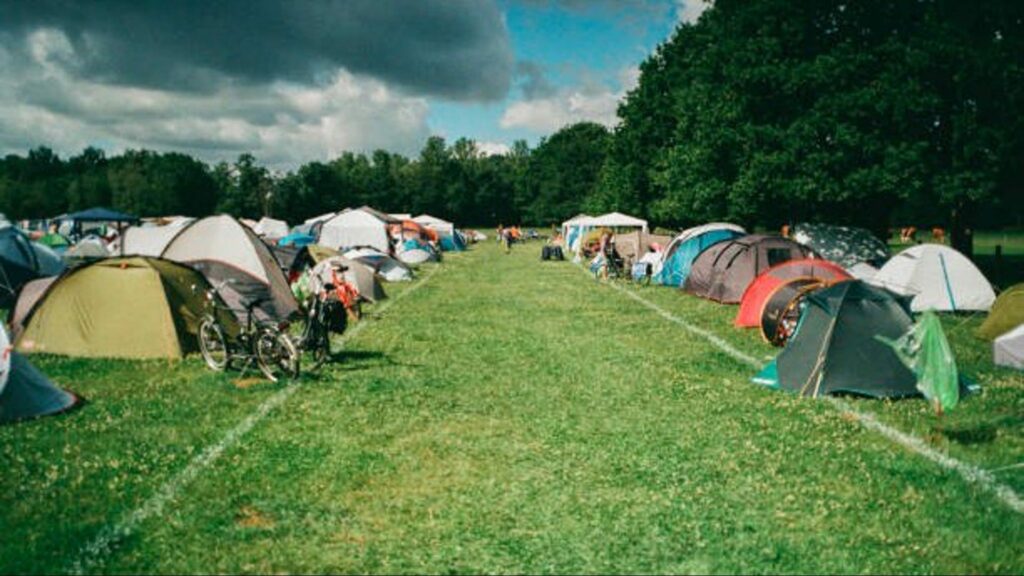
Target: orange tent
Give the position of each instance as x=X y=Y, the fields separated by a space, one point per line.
x=758 y=292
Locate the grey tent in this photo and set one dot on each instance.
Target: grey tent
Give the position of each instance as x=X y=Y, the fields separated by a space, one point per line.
x=24 y=391
x=21 y=261
x=844 y=245
x=723 y=271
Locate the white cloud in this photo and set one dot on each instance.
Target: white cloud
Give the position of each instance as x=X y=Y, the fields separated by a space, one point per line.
x=283 y=124
x=690 y=10
x=493 y=148
x=591 y=102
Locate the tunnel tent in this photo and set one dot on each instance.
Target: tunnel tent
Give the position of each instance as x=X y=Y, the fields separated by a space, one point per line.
x=938 y=278
x=127 y=307
x=684 y=248
x=1006 y=314
x=25 y=392
x=844 y=245
x=237 y=262
x=723 y=271
x=836 y=348
x=760 y=290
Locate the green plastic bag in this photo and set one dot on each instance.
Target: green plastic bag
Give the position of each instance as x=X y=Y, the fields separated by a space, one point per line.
x=925 y=350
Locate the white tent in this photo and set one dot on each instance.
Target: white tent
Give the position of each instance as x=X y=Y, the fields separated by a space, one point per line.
x=270 y=228
x=862 y=271
x=388 y=268
x=434 y=223
x=236 y=262
x=1008 y=349
x=149 y=240
x=617 y=220
x=401 y=216
x=938 y=278
x=358 y=227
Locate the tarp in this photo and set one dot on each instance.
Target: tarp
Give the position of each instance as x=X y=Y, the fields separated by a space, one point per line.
x=297 y=239
x=938 y=278
x=925 y=350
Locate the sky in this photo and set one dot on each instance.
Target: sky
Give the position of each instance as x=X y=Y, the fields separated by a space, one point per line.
x=297 y=81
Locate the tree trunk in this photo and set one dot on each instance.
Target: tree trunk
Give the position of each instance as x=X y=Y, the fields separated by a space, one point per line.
x=961 y=235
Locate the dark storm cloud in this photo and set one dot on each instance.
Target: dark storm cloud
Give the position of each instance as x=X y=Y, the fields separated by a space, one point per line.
x=458 y=49
x=532 y=80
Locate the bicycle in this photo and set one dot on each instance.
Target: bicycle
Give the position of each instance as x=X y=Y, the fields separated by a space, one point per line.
x=328 y=312
x=273 y=351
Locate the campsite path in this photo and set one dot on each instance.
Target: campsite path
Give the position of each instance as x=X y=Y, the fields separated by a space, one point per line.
x=517 y=416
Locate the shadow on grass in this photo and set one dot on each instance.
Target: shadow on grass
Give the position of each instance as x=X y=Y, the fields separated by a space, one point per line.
x=984 y=432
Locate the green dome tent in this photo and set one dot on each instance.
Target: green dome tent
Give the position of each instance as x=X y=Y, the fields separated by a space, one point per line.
x=132 y=307
x=836 y=348
x=1006 y=314
x=24 y=391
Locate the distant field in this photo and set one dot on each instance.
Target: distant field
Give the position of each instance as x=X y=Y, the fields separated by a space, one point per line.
x=510 y=415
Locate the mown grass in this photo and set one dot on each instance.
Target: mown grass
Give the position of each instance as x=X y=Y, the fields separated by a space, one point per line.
x=514 y=416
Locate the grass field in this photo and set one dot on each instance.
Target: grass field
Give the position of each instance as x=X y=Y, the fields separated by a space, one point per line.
x=509 y=415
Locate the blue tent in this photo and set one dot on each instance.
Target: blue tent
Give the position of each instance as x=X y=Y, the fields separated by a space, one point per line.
x=297 y=239
x=22 y=260
x=453 y=243
x=684 y=249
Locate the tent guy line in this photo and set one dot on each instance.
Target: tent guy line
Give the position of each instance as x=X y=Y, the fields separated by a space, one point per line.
x=107 y=539
x=972 y=474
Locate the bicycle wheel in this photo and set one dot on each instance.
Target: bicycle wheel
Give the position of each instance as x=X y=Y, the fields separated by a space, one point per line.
x=319 y=345
x=276 y=355
x=213 y=345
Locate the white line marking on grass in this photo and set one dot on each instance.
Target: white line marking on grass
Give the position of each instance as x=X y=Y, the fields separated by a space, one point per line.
x=969 y=472
x=108 y=537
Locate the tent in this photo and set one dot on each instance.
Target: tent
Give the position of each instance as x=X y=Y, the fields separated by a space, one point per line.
x=359 y=227
x=149 y=239
x=843 y=245
x=723 y=271
x=268 y=227
x=1006 y=314
x=297 y=239
x=836 y=349
x=634 y=245
x=782 y=308
x=454 y=242
x=416 y=252
x=938 y=278
x=681 y=251
x=89 y=248
x=862 y=271
x=388 y=268
x=360 y=275
x=131 y=307
x=617 y=221
x=443 y=227
x=573 y=230
x=24 y=391
x=54 y=241
x=237 y=263
x=1008 y=349
x=22 y=260
x=757 y=294
x=78 y=221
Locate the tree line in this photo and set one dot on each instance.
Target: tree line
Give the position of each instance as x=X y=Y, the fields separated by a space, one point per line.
x=875 y=113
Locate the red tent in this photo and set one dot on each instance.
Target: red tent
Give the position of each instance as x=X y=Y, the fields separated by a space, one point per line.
x=758 y=292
